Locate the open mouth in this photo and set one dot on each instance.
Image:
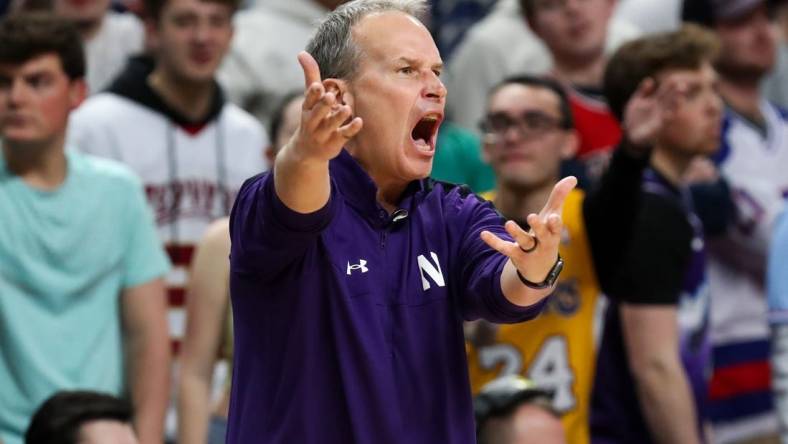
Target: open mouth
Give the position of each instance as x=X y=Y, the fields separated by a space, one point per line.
x=426 y=128
x=201 y=57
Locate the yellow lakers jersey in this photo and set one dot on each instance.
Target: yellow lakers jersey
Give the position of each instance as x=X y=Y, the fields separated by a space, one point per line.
x=557 y=349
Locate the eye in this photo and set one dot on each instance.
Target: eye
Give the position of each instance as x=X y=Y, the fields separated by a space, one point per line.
x=183 y=21
x=693 y=92
x=437 y=72
x=219 y=21
x=406 y=70
x=38 y=81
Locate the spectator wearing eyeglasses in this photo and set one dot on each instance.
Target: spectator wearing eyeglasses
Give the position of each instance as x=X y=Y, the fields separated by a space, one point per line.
x=528 y=131
x=569 y=40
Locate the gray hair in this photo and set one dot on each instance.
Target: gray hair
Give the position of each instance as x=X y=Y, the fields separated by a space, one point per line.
x=333 y=47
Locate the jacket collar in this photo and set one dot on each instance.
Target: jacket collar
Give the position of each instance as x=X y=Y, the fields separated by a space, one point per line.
x=358 y=189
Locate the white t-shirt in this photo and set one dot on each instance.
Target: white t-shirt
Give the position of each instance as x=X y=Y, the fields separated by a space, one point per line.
x=261 y=66
x=120 y=36
x=651 y=16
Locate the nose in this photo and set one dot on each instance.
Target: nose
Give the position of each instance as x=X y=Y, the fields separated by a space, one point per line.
x=201 y=31
x=435 y=88
x=715 y=106
x=571 y=6
x=16 y=92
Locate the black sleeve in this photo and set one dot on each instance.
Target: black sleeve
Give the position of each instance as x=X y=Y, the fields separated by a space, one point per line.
x=714 y=206
x=610 y=210
x=656 y=260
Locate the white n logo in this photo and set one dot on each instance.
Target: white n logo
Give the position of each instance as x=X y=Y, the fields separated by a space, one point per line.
x=433 y=271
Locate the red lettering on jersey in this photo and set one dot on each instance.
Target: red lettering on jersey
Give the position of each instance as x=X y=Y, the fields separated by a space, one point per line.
x=188 y=199
x=180 y=254
x=176 y=297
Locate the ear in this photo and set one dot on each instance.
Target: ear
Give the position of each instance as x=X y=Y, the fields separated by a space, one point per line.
x=77 y=91
x=340 y=89
x=269 y=155
x=571 y=144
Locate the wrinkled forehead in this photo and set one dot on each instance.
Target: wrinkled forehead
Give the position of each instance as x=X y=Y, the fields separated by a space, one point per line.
x=393 y=35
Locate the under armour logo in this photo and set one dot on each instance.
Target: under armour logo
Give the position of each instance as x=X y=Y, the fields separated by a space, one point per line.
x=361 y=265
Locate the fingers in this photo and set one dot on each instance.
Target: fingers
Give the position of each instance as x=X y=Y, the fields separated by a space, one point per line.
x=312 y=96
x=310 y=68
x=346 y=132
x=646 y=88
x=524 y=240
x=351 y=129
x=322 y=108
x=555 y=203
x=554 y=224
x=665 y=93
x=338 y=114
x=670 y=94
x=504 y=247
x=324 y=127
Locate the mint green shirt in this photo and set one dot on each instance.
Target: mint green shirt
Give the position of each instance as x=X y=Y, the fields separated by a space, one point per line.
x=65 y=257
x=458 y=159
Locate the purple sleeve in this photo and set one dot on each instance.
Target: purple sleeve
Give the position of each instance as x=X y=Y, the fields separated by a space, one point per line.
x=480 y=266
x=266 y=235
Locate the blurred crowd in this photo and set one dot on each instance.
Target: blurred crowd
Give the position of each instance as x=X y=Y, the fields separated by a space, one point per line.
x=128 y=127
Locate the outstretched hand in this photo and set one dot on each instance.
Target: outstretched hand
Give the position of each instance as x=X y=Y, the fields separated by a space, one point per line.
x=651 y=108
x=324 y=129
x=544 y=235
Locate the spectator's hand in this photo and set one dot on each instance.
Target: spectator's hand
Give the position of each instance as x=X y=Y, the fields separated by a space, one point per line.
x=650 y=108
x=701 y=170
x=545 y=226
x=323 y=131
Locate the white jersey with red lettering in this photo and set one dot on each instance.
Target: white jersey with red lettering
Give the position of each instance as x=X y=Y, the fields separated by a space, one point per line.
x=191 y=170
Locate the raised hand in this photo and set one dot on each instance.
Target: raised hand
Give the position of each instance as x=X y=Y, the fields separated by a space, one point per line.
x=534 y=252
x=301 y=175
x=650 y=108
x=323 y=131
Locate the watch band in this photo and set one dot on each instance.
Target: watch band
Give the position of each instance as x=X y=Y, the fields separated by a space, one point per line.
x=549 y=281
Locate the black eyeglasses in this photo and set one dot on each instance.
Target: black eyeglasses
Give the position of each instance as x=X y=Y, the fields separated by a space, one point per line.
x=502 y=395
x=530 y=124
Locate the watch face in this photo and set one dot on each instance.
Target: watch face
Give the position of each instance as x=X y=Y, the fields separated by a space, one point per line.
x=555 y=272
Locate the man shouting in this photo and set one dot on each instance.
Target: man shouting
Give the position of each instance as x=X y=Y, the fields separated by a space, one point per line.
x=352 y=272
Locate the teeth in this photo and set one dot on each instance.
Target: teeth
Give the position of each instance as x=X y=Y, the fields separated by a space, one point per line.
x=431 y=118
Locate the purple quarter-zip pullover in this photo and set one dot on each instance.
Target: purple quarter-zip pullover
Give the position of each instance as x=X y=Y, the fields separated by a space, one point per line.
x=348 y=321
